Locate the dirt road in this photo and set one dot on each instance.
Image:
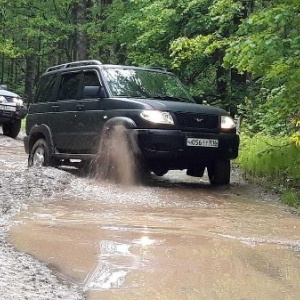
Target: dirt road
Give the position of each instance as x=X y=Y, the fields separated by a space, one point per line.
x=174 y=237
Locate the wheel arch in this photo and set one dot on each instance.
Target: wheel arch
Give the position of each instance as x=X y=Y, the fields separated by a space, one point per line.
x=120 y=121
x=41 y=132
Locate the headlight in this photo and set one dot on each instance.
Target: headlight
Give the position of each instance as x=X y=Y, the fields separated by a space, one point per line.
x=227 y=123
x=2 y=99
x=18 y=101
x=157 y=116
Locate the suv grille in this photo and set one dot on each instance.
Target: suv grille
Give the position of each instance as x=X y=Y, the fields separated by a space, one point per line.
x=196 y=120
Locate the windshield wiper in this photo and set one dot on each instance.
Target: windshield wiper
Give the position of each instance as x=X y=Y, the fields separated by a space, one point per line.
x=128 y=96
x=172 y=98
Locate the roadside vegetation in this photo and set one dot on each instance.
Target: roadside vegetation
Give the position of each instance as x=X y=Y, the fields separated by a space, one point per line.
x=274 y=163
x=242 y=55
x=23 y=125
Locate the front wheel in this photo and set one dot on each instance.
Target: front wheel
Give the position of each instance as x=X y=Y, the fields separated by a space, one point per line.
x=12 y=128
x=219 y=172
x=39 y=154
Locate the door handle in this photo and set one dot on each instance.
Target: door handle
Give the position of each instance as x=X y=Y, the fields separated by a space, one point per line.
x=80 y=106
x=55 y=107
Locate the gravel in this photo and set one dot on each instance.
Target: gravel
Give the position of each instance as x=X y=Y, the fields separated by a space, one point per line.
x=22 y=276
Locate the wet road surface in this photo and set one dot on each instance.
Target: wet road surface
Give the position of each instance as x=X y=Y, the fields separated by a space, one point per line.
x=171 y=238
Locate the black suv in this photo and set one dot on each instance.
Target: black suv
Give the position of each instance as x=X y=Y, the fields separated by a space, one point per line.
x=12 y=112
x=76 y=102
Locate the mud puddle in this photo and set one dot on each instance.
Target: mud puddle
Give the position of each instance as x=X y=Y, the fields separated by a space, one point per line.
x=167 y=240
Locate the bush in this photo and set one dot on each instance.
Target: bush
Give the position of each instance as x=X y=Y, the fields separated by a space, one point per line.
x=274 y=161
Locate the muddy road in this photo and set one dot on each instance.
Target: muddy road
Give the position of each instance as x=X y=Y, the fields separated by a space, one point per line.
x=173 y=237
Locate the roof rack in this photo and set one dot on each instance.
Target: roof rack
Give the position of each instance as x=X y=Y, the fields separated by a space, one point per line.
x=74 y=64
x=159 y=68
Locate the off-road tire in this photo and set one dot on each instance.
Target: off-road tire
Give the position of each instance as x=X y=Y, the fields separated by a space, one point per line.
x=12 y=128
x=219 y=172
x=39 y=155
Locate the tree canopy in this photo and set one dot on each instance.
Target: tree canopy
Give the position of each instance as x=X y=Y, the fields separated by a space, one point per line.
x=243 y=55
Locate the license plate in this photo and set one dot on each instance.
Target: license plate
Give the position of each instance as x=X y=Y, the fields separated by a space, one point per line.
x=7 y=107
x=210 y=143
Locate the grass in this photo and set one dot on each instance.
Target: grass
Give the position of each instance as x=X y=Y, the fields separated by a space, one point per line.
x=275 y=163
x=291 y=197
x=23 y=124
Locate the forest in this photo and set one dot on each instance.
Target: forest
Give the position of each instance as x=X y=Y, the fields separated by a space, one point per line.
x=241 y=55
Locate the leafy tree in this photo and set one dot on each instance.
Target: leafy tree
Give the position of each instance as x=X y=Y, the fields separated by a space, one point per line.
x=267 y=46
x=236 y=53
x=205 y=48
x=36 y=34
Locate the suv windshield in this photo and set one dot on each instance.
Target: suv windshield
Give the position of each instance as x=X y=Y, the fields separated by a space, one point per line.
x=145 y=83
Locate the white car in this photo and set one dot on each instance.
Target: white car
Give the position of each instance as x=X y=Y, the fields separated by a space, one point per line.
x=12 y=111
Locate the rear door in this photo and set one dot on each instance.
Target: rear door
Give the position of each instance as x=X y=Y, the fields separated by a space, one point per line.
x=64 y=111
x=40 y=111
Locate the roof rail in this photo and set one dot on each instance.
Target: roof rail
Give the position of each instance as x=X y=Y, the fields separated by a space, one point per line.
x=159 y=68
x=74 y=64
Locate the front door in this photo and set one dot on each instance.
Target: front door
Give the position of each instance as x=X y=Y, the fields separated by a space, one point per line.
x=78 y=116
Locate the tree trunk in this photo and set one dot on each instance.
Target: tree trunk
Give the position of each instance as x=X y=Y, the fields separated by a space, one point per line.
x=29 y=77
x=81 y=37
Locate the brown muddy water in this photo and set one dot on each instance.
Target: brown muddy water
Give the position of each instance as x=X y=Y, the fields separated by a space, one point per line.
x=117 y=157
x=172 y=238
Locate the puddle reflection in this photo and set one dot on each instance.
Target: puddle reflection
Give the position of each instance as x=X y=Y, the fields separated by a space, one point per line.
x=106 y=276
x=111 y=275
x=109 y=248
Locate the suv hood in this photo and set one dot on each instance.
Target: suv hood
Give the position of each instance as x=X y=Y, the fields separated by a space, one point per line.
x=182 y=106
x=8 y=93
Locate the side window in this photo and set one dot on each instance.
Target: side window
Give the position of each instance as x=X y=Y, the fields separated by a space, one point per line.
x=91 y=85
x=69 y=85
x=45 y=90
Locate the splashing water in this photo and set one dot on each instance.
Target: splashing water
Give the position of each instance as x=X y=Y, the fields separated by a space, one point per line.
x=117 y=157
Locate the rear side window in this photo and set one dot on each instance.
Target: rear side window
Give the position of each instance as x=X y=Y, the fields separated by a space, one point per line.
x=69 y=86
x=46 y=89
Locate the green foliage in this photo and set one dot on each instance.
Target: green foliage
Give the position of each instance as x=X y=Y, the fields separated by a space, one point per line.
x=295 y=138
x=201 y=52
x=140 y=30
x=42 y=24
x=272 y=161
x=291 y=197
x=267 y=46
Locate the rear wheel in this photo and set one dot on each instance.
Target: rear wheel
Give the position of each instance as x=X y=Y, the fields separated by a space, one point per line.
x=85 y=168
x=40 y=155
x=160 y=171
x=219 y=172
x=12 y=128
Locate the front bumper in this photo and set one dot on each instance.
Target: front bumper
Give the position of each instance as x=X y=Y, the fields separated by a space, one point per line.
x=169 y=147
x=6 y=115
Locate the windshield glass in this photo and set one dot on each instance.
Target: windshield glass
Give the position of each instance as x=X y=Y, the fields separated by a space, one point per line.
x=144 y=83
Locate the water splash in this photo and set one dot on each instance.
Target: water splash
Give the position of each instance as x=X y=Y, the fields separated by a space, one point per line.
x=117 y=157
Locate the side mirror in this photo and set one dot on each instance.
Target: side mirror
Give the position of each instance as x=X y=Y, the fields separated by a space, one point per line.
x=93 y=91
x=198 y=99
